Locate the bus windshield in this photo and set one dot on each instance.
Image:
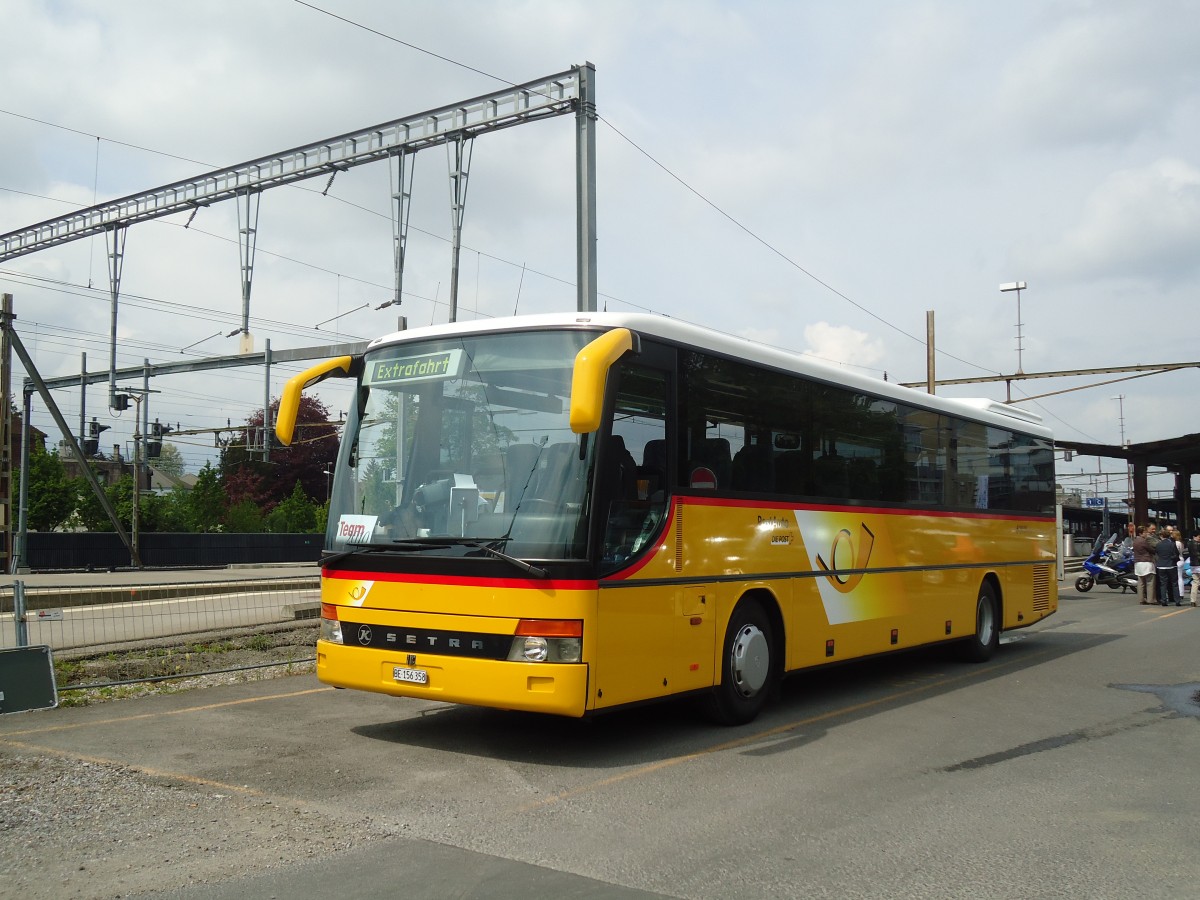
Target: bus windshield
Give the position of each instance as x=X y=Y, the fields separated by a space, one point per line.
x=465 y=441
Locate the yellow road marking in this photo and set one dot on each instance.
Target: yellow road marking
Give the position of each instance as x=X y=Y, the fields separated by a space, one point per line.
x=758 y=736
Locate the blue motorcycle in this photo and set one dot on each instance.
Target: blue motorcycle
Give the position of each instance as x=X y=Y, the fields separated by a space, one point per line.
x=1108 y=566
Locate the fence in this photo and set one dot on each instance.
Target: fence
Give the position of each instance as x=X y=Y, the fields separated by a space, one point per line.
x=104 y=634
x=46 y=550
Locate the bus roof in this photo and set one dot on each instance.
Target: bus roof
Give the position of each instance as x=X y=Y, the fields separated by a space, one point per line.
x=686 y=333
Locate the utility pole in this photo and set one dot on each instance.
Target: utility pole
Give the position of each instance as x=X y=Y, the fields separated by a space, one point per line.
x=135 y=519
x=6 y=461
x=930 y=377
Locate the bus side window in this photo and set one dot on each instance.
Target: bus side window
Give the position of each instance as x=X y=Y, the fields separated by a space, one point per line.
x=713 y=454
x=634 y=496
x=622 y=470
x=653 y=470
x=754 y=467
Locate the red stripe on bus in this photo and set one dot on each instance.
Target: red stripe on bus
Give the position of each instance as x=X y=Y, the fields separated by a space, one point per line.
x=865 y=510
x=646 y=557
x=459 y=581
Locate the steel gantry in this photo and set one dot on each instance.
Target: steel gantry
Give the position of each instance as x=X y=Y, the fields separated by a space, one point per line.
x=555 y=95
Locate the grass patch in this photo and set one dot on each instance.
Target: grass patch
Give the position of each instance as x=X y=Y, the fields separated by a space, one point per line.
x=187 y=658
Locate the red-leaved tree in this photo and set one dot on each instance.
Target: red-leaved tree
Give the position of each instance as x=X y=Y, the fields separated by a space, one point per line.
x=312 y=451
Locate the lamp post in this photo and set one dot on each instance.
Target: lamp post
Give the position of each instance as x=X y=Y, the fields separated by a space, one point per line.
x=1017 y=286
x=1120 y=398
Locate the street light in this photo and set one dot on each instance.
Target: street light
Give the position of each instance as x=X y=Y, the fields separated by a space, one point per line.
x=1017 y=286
x=1120 y=398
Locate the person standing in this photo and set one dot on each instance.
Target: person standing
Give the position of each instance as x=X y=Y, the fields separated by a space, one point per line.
x=1178 y=536
x=1143 y=566
x=1194 y=557
x=1127 y=542
x=1166 y=554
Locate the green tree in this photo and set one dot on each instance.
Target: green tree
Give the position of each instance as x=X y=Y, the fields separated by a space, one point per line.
x=89 y=512
x=52 y=495
x=206 y=502
x=295 y=515
x=169 y=461
x=170 y=511
x=244 y=517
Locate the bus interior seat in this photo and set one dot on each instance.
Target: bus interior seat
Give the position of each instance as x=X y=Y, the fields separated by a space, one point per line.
x=654 y=456
x=829 y=476
x=622 y=469
x=754 y=468
x=791 y=472
x=489 y=472
x=557 y=468
x=863 y=476
x=519 y=463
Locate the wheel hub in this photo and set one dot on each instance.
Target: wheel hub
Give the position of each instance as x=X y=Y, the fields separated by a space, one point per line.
x=986 y=622
x=750 y=660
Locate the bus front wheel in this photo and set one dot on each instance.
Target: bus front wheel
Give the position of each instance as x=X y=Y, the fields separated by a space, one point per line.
x=747 y=666
x=980 y=646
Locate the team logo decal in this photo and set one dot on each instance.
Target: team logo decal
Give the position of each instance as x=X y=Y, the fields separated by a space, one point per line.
x=358 y=593
x=844 y=555
x=842 y=550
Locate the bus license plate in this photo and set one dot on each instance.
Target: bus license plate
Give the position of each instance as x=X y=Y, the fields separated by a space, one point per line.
x=412 y=676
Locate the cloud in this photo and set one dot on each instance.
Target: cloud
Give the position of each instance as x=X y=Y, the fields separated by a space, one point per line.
x=1138 y=223
x=1101 y=76
x=842 y=344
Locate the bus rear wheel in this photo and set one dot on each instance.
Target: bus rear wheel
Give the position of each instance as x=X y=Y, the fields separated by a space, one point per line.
x=980 y=646
x=747 y=666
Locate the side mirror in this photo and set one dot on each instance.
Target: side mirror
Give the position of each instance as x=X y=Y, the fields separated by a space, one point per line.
x=289 y=403
x=591 y=372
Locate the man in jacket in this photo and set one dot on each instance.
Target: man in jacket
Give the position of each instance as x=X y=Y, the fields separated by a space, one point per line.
x=1166 y=556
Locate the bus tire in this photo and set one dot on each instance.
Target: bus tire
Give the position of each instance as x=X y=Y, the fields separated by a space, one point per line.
x=747 y=666
x=981 y=645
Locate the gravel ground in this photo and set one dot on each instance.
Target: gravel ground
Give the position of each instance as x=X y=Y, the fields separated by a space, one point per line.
x=76 y=828
x=72 y=828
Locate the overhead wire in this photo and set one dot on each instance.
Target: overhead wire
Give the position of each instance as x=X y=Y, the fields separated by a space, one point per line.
x=718 y=209
x=650 y=157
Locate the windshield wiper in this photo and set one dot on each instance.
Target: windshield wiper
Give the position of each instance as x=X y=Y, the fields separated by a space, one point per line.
x=488 y=547
x=440 y=543
x=399 y=544
x=536 y=571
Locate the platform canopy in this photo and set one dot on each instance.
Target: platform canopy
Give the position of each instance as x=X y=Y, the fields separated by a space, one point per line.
x=1180 y=455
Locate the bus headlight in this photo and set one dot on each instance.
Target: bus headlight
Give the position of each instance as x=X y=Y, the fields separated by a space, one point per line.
x=533 y=649
x=541 y=649
x=547 y=640
x=331 y=628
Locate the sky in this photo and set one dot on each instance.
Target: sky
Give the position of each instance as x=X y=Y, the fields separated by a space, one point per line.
x=810 y=175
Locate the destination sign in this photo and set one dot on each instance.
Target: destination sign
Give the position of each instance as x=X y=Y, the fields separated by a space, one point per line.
x=410 y=369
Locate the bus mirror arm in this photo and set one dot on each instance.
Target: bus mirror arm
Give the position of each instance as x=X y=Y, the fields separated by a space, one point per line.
x=591 y=373
x=289 y=403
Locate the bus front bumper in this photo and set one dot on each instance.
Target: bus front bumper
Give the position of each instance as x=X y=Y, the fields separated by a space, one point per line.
x=554 y=688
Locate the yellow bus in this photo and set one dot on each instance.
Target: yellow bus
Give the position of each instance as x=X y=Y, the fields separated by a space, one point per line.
x=574 y=513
